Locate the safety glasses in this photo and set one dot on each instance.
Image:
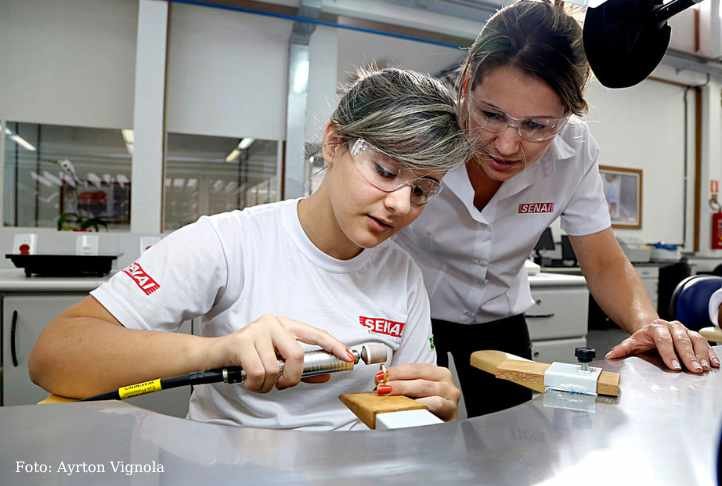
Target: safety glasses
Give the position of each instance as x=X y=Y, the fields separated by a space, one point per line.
x=385 y=174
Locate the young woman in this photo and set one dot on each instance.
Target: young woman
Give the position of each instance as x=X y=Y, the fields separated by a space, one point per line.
x=520 y=91
x=257 y=276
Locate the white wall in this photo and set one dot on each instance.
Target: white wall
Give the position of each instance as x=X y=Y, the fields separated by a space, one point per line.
x=359 y=48
x=643 y=128
x=227 y=73
x=68 y=62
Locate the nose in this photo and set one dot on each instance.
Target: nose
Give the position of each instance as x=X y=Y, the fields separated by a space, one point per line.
x=399 y=201
x=507 y=141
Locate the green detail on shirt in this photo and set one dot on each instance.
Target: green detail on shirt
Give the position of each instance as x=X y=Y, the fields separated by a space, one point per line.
x=431 y=343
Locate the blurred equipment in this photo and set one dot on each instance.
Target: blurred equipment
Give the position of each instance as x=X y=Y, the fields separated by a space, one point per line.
x=691 y=298
x=636 y=250
x=626 y=39
x=569 y=258
x=665 y=252
x=63 y=264
x=669 y=277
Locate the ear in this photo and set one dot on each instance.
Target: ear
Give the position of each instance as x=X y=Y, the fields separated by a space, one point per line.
x=331 y=143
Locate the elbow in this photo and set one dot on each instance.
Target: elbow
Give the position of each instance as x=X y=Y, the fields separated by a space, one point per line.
x=45 y=362
x=39 y=364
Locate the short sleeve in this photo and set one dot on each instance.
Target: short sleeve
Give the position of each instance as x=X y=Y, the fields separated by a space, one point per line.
x=177 y=279
x=418 y=342
x=714 y=302
x=587 y=211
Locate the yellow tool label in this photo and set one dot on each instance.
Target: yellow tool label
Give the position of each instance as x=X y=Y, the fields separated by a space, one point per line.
x=139 y=389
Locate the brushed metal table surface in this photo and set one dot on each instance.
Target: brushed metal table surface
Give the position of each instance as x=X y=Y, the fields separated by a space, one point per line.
x=664 y=429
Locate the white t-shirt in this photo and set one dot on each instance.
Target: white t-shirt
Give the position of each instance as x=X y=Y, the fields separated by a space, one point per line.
x=234 y=267
x=473 y=260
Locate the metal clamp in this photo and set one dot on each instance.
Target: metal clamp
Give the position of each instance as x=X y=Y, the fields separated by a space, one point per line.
x=572 y=378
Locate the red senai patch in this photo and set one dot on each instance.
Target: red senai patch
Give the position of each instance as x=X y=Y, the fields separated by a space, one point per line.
x=536 y=207
x=144 y=281
x=379 y=325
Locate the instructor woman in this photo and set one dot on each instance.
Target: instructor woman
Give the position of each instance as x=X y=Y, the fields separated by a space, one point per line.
x=521 y=95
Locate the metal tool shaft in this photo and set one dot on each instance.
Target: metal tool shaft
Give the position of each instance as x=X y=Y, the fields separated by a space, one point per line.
x=320 y=362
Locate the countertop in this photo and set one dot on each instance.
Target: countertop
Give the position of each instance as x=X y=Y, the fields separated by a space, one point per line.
x=545 y=279
x=664 y=429
x=14 y=280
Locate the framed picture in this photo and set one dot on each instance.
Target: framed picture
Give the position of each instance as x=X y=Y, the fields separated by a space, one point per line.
x=623 y=190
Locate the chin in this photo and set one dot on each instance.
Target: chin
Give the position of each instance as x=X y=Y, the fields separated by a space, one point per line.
x=370 y=241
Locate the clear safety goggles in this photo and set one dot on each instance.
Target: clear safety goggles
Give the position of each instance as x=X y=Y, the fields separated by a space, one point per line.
x=533 y=129
x=386 y=175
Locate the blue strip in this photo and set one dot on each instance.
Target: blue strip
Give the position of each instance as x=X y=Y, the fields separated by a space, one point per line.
x=309 y=20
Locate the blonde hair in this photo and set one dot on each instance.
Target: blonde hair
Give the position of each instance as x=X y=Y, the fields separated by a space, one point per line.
x=409 y=116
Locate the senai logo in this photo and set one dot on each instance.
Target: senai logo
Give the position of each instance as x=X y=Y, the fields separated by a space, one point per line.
x=379 y=325
x=141 y=279
x=536 y=207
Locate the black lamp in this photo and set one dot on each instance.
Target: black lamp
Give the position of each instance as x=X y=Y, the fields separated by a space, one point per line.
x=626 y=39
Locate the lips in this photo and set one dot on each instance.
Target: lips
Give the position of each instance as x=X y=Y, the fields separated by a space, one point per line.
x=382 y=222
x=502 y=165
x=504 y=161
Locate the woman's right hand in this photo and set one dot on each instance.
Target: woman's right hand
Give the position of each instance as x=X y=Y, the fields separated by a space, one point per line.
x=258 y=346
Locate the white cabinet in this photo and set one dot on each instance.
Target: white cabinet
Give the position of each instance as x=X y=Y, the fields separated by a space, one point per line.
x=558 y=313
x=23 y=319
x=557 y=321
x=561 y=350
x=650 y=279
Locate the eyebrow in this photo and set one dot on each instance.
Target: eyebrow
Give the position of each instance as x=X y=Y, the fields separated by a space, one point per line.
x=492 y=105
x=438 y=181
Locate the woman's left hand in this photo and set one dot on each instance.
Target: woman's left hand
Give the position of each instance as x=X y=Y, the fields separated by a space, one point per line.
x=674 y=342
x=429 y=384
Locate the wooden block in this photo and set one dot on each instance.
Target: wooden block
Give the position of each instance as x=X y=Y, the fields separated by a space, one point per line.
x=608 y=384
x=530 y=374
x=711 y=333
x=366 y=405
x=489 y=360
x=51 y=399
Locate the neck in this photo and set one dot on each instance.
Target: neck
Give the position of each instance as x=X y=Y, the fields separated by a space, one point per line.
x=320 y=225
x=484 y=187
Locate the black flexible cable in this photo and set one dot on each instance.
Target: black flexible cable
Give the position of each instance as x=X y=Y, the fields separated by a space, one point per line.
x=196 y=378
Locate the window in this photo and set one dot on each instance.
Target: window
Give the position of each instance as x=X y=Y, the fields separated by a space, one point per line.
x=71 y=178
x=207 y=175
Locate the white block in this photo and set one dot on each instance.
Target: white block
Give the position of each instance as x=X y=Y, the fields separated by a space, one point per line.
x=407 y=418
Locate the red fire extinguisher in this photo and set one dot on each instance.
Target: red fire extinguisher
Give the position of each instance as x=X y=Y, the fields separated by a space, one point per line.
x=716 y=216
x=717 y=231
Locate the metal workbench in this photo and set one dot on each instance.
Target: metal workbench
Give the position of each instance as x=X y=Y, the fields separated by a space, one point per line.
x=664 y=429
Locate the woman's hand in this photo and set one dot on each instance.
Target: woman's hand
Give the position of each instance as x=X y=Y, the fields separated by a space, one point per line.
x=674 y=342
x=429 y=384
x=258 y=346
